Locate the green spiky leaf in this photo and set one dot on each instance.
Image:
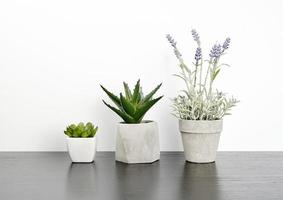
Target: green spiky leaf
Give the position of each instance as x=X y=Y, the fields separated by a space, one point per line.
x=136 y=91
x=113 y=97
x=144 y=108
x=123 y=115
x=148 y=97
x=128 y=107
x=127 y=91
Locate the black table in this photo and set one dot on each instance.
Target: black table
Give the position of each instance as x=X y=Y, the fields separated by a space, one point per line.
x=52 y=176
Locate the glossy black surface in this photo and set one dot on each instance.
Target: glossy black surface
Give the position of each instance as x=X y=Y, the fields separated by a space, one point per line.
x=52 y=176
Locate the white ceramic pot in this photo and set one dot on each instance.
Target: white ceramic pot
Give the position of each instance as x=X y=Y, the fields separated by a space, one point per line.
x=137 y=143
x=200 y=139
x=82 y=149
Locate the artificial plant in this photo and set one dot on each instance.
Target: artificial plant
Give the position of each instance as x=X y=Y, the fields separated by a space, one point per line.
x=81 y=130
x=132 y=105
x=199 y=100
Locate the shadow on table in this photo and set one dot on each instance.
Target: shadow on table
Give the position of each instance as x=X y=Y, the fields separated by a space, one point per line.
x=138 y=181
x=81 y=181
x=166 y=181
x=199 y=181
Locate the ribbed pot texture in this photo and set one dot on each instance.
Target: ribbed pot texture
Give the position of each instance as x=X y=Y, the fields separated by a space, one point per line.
x=137 y=143
x=200 y=139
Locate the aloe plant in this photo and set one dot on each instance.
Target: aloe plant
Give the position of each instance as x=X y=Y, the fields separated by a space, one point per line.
x=133 y=105
x=81 y=130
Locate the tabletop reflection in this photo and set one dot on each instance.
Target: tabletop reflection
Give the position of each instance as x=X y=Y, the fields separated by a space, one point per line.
x=81 y=180
x=199 y=181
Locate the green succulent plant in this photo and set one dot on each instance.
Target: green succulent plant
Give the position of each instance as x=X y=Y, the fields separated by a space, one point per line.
x=81 y=130
x=132 y=106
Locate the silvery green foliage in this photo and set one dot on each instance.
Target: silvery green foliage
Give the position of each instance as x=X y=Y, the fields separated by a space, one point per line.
x=199 y=101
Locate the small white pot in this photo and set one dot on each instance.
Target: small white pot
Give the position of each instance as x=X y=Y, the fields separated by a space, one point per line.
x=137 y=143
x=82 y=149
x=200 y=139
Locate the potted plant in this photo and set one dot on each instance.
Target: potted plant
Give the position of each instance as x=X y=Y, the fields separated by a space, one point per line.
x=81 y=142
x=200 y=108
x=137 y=140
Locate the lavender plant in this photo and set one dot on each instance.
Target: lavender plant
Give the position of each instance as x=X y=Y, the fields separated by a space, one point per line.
x=199 y=101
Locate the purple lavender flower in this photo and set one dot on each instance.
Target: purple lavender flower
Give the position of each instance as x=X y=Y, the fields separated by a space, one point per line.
x=198 y=54
x=171 y=40
x=226 y=44
x=174 y=45
x=177 y=53
x=195 y=36
x=216 y=51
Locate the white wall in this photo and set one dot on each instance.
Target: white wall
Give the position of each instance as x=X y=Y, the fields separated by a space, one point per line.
x=54 y=54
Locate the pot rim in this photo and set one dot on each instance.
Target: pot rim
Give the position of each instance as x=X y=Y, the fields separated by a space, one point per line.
x=200 y=126
x=138 y=124
x=80 y=138
x=190 y=120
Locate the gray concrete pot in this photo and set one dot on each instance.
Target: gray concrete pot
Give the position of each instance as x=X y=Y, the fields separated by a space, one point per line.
x=137 y=143
x=200 y=139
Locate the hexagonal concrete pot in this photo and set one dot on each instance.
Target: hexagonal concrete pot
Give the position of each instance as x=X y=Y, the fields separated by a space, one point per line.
x=137 y=143
x=200 y=139
x=82 y=150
